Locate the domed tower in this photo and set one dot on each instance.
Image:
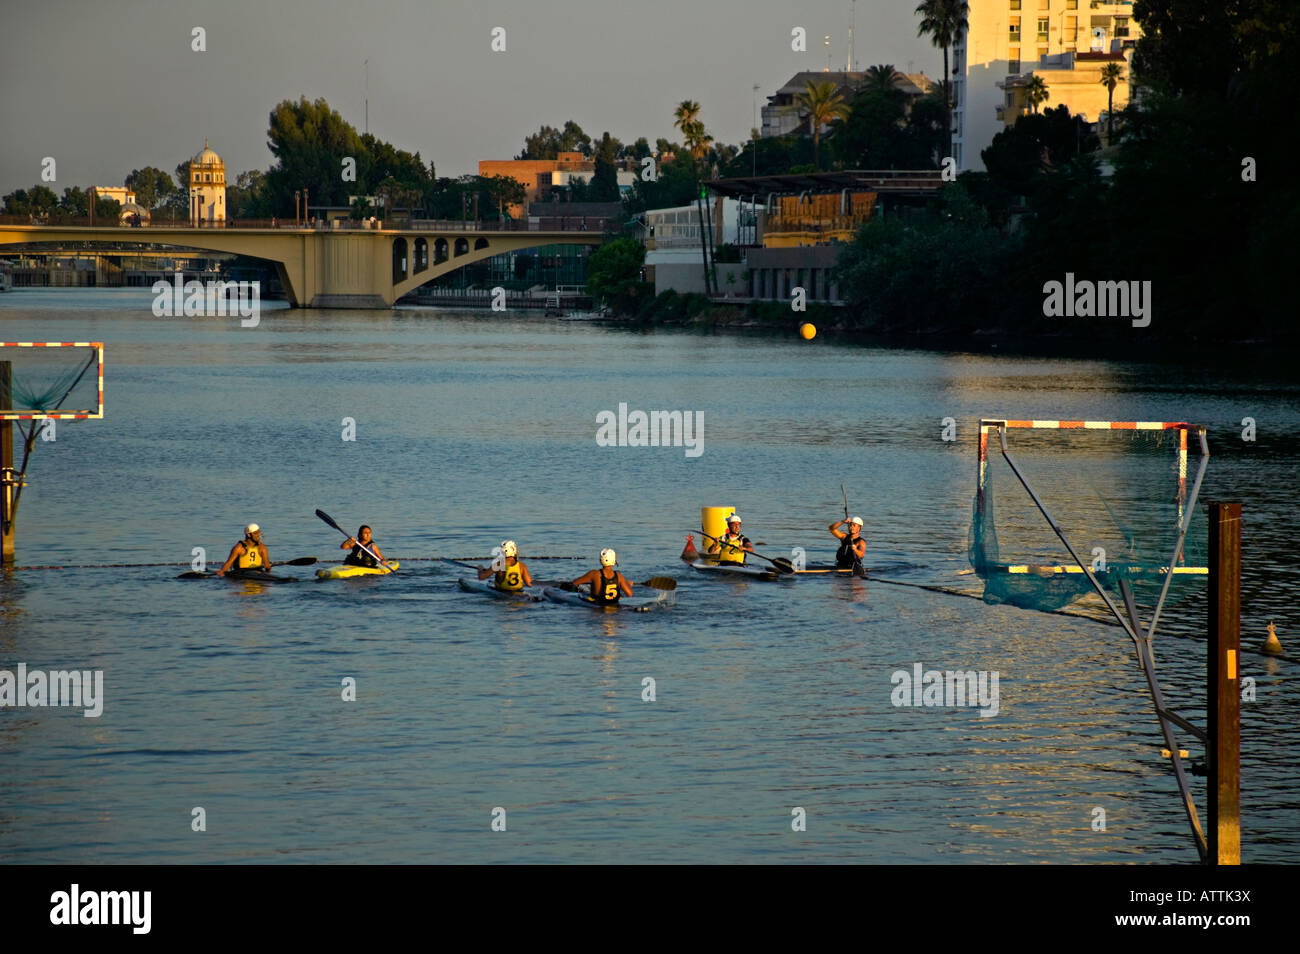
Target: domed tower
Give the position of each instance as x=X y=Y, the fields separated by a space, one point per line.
x=207 y=187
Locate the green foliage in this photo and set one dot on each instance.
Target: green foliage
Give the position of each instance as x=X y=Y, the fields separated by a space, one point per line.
x=615 y=268
x=151 y=186
x=880 y=133
x=548 y=142
x=944 y=273
x=37 y=200
x=676 y=184
x=310 y=141
x=604 y=184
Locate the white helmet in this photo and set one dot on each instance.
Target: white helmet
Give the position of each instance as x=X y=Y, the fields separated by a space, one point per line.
x=251 y=529
x=608 y=557
x=509 y=548
x=857 y=520
x=734 y=518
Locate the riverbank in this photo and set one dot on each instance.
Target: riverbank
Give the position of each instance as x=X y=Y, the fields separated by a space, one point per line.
x=1105 y=338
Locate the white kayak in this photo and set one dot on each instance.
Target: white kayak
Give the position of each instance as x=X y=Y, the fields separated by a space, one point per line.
x=737 y=570
x=487 y=589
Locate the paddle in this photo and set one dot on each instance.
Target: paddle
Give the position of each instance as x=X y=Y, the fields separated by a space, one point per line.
x=330 y=520
x=781 y=563
x=858 y=569
x=206 y=574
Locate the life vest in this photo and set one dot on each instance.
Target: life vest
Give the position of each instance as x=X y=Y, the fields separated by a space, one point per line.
x=606 y=590
x=359 y=557
x=846 y=556
x=731 y=548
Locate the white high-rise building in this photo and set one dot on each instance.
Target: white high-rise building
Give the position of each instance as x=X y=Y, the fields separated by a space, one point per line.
x=1008 y=40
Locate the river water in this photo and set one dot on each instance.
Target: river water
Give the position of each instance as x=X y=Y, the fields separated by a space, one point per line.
x=769 y=697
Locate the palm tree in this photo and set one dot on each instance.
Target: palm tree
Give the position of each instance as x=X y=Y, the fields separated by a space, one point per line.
x=881 y=78
x=687 y=119
x=1036 y=92
x=945 y=22
x=821 y=103
x=1111 y=74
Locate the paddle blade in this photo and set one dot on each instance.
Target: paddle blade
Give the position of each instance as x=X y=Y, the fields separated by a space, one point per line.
x=330 y=520
x=666 y=583
x=194 y=575
x=782 y=564
x=301 y=561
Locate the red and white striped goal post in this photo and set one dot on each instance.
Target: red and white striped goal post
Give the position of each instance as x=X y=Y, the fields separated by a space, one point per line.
x=1182 y=427
x=82 y=414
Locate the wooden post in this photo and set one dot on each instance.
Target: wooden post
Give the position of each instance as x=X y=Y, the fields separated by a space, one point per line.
x=7 y=463
x=1223 y=686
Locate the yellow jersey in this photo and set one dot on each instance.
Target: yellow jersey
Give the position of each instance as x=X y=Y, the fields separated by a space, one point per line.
x=511 y=580
x=251 y=558
x=731 y=548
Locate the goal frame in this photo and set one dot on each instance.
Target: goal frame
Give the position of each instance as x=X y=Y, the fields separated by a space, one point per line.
x=1183 y=429
x=60 y=414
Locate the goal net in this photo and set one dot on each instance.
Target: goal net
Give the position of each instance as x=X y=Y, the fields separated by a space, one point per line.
x=1118 y=490
x=63 y=380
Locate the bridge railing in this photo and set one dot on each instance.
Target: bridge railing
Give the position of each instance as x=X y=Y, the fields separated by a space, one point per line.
x=559 y=223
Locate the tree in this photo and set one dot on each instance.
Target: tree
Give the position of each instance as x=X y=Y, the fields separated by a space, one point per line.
x=246 y=198
x=1111 y=74
x=548 y=142
x=310 y=141
x=820 y=103
x=614 y=269
x=151 y=186
x=604 y=184
x=38 y=200
x=944 y=21
x=694 y=135
x=1036 y=92
x=871 y=133
x=880 y=78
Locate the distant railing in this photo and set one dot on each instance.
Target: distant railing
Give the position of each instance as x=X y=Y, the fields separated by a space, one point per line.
x=564 y=223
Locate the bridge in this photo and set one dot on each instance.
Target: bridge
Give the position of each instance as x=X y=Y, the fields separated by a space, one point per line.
x=334 y=267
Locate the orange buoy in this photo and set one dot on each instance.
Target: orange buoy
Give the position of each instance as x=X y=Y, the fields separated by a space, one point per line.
x=1272 y=645
x=689 y=553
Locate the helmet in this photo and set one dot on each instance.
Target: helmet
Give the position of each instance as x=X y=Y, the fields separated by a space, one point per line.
x=509 y=548
x=734 y=518
x=607 y=557
x=251 y=529
x=857 y=520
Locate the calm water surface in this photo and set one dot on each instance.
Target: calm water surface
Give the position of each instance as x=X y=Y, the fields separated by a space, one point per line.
x=472 y=428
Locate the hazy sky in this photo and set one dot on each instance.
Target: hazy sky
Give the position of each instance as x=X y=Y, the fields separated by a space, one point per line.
x=106 y=86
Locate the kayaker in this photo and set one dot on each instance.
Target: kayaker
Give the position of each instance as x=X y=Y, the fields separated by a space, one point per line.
x=732 y=546
x=853 y=548
x=249 y=553
x=358 y=556
x=515 y=576
x=607 y=584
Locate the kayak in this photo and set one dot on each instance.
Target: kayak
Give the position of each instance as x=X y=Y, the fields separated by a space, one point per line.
x=824 y=569
x=487 y=589
x=581 y=599
x=737 y=570
x=255 y=576
x=347 y=571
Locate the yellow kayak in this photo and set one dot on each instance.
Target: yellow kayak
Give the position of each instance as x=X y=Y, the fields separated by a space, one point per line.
x=346 y=571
